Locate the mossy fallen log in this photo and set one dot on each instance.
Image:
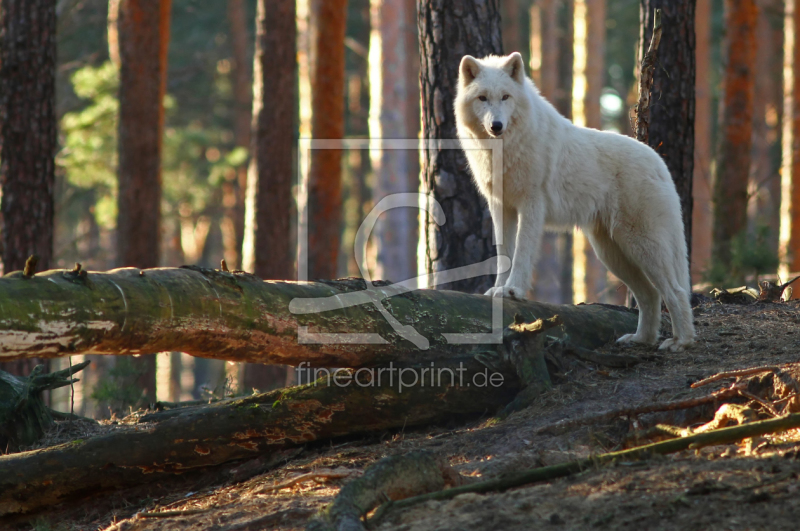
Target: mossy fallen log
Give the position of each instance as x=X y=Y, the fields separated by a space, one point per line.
x=202 y=437
x=238 y=317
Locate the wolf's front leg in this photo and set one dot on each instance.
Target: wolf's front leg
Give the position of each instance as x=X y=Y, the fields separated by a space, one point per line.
x=505 y=235
x=530 y=227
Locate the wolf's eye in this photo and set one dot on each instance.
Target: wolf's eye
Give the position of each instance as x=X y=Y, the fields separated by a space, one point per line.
x=482 y=98
x=505 y=97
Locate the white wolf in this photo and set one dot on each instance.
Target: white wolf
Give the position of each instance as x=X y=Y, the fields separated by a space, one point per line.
x=555 y=173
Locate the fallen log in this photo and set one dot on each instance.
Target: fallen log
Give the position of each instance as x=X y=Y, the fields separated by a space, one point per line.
x=202 y=437
x=238 y=317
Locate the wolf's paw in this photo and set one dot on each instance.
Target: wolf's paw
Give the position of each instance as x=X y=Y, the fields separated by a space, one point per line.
x=675 y=345
x=637 y=338
x=491 y=291
x=508 y=292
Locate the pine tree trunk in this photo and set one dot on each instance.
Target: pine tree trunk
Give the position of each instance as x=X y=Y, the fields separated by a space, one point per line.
x=143 y=32
x=734 y=156
x=790 y=174
x=510 y=29
x=448 y=30
x=672 y=111
x=27 y=137
x=552 y=53
x=268 y=249
x=589 y=273
x=27 y=130
x=764 y=209
x=701 y=182
x=327 y=122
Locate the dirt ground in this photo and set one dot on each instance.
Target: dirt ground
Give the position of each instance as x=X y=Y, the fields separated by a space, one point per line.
x=752 y=485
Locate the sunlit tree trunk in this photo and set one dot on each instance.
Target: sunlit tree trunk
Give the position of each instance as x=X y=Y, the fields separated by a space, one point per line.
x=448 y=30
x=324 y=186
x=764 y=189
x=589 y=274
x=27 y=137
x=790 y=174
x=143 y=33
x=734 y=155
x=671 y=131
x=701 y=182
x=390 y=118
x=236 y=183
x=268 y=250
x=551 y=52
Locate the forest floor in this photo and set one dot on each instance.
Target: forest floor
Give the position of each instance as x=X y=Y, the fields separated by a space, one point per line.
x=752 y=485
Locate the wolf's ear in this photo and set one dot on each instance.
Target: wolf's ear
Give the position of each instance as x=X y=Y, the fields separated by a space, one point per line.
x=469 y=69
x=515 y=68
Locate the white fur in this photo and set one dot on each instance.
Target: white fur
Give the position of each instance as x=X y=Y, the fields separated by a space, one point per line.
x=555 y=173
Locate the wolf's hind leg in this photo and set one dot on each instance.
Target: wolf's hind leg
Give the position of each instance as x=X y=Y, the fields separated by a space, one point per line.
x=668 y=268
x=647 y=297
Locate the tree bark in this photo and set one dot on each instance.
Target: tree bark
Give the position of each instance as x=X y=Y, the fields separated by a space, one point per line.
x=28 y=140
x=27 y=130
x=143 y=33
x=238 y=317
x=267 y=248
x=673 y=105
x=790 y=174
x=734 y=155
x=448 y=30
x=701 y=182
x=324 y=185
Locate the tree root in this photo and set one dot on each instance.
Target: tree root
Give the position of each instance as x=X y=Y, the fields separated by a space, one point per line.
x=392 y=478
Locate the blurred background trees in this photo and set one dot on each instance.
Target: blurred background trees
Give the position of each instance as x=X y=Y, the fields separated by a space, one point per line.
x=144 y=147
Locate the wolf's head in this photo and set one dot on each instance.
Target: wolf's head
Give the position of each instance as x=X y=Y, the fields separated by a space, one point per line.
x=489 y=91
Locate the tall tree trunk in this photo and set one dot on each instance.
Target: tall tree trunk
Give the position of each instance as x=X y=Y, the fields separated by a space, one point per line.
x=672 y=112
x=551 y=51
x=701 y=182
x=733 y=157
x=390 y=117
x=764 y=208
x=324 y=185
x=27 y=137
x=589 y=274
x=143 y=33
x=448 y=30
x=267 y=244
x=790 y=174
x=267 y=248
x=511 y=31
x=235 y=186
